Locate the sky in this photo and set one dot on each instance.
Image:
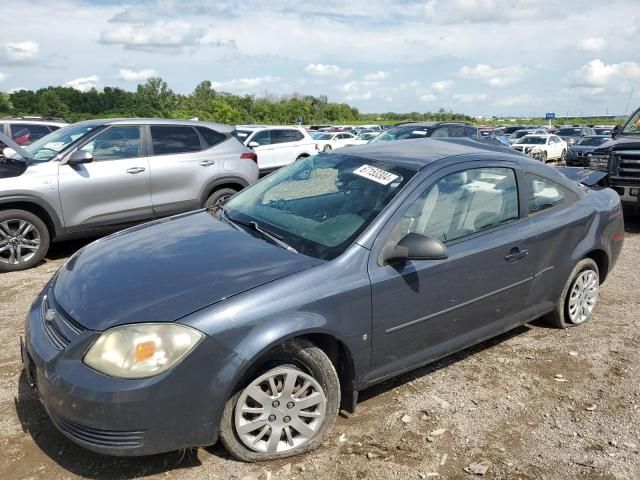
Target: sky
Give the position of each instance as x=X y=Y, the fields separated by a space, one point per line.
x=487 y=57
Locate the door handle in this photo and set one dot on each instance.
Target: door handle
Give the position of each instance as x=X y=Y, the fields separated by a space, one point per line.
x=134 y=170
x=207 y=163
x=516 y=254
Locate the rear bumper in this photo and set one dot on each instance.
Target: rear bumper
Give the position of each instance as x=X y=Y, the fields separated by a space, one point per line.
x=177 y=409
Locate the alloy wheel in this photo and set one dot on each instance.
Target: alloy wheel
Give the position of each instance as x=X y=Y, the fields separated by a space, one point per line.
x=583 y=297
x=280 y=410
x=19 y=241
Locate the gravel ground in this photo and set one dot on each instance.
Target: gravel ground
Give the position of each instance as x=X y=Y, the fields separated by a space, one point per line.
x=535 y=403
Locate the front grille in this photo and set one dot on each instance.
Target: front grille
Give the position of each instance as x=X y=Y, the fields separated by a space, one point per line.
x=627 y=165
x=59 y=327
x=99 y=437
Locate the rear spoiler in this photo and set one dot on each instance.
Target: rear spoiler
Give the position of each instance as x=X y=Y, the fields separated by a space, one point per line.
x=590 y=178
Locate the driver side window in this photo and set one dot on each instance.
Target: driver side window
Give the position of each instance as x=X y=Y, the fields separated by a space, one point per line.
x=115 y=143
x=461 y=204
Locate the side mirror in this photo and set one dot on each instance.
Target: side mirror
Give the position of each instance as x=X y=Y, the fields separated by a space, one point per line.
x=80 y=156
x=253 y=144
x=414 y=246
x=616 y=131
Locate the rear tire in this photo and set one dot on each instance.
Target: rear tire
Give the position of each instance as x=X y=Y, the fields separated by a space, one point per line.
x=564 y=315
x=24 y=240
x=327 y=148
x=218 y=195
x=308 y=365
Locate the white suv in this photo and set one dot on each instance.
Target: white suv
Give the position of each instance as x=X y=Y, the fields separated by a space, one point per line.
x=26 y=130
x=276 y=146
x=331 y=140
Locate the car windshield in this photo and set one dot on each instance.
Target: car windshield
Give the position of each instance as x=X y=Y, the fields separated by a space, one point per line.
x=632 y=127
x=321 y=204
x=402 y=133
x=323 y=136
x=603 y=131
x=49 y=145
x=242 y=134
x=521 y=133
x=366 y=136
x=533 y=141
x=568 y=132
x=592 y=141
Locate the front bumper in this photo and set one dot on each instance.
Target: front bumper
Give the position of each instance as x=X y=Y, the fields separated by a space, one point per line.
x=575 y=160
x=177 y=409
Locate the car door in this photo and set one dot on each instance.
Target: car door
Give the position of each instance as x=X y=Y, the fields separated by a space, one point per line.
x=425 y=309
x=180 y=163
x=261 y=143
x=112 y=189
x=552 y=148
x=285 y=148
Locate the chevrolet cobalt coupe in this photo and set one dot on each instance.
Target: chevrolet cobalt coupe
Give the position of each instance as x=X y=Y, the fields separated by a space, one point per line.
x=256 y=321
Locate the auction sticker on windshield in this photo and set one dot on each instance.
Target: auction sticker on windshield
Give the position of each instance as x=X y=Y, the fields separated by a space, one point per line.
x=376 y=174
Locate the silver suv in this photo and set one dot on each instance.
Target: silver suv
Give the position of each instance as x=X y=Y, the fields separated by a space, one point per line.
x=103 y=175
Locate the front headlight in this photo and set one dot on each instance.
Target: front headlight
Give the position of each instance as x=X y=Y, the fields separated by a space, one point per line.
x=141 y=350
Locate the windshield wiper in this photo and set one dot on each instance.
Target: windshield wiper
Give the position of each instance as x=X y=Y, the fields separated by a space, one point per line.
x=265 y=233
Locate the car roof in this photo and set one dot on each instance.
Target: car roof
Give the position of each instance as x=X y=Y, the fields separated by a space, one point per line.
x=415 y=154
x=220 y=127
x=271 y=127
x=34 y=121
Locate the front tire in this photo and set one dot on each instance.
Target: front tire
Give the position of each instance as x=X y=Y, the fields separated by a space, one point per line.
x=578 y=297
x=327 y=148
x=24 y=240
x=285 y=408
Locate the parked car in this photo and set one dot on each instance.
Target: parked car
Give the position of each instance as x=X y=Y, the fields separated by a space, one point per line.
x=511 y=129
x=620 y=158
x=255 y=322
x=331 y=141
x=276 y=146
x=606 y=131
x=102 y=175
x=26 y=130
x=577 y=155
x=542 y=147
x=572 y=134
x=409 y=130
x=519 y=134
x=363 y=138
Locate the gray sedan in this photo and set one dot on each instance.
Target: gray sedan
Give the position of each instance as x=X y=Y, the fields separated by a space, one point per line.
x=256 y=321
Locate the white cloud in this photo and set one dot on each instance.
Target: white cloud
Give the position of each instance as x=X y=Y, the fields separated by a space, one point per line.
x=169 y=36
x=427 y=97
x=516 y=100
x=243 y=83
x=16 y=89
x=322 y=70
x=377 y=76
x=133 y=76
x=592 y=45
x=596 y=73
x=83 y=84
x=470 y=97
x=22 y=51
x=359 y=96
x=494 y=77
x=3 y=76
x=491 y=11
x=441 y=85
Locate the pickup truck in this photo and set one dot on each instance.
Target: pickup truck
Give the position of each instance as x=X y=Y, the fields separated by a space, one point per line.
x=620 y=158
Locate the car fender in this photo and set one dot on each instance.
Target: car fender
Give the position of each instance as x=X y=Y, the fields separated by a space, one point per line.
x=56 y=221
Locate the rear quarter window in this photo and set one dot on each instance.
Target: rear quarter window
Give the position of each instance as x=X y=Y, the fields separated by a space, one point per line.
x=211 y=137
x=170 y=139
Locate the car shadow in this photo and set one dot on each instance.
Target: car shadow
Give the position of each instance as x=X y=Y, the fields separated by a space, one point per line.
x=631 y=222
x=58 y=251
x=81 y=462
x=444 y=362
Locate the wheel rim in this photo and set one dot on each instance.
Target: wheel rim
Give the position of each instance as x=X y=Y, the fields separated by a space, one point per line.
x=583 y=297
x=19 y=241
x=280 y=410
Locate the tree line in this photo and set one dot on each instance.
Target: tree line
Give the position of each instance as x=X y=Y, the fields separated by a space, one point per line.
x=154 y=98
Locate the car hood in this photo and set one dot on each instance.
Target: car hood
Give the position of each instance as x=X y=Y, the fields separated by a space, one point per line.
x=167 y=269
x=620 y=143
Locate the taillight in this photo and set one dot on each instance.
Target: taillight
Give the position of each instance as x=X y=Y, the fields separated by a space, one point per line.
x=617 y=237
x=250 y=155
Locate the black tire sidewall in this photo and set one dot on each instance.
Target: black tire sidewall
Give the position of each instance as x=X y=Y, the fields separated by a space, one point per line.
x=44 y=238
x=306 y=356
x=217 y=195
